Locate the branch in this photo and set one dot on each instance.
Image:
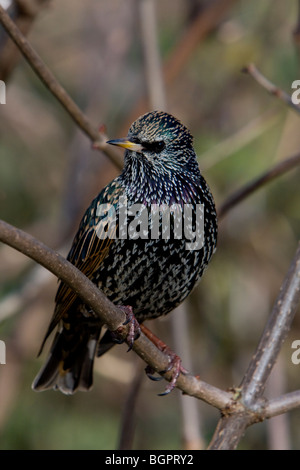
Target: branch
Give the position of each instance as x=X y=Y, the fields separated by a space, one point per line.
x=64 y=270
x=274 y=334
x=277 y=170
x=282 y=404
x=270 y=87
x=240 y=410
x=231 y=427
x=24 y=13
x=240 y=194
x=111 y=315
x=97 y=137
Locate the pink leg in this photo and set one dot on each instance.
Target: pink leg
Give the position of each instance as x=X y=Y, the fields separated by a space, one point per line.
x=174 y=361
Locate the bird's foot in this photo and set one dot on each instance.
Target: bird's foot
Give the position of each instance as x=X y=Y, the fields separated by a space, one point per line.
x=134 y=328
x=175 y=363
x=177 y=368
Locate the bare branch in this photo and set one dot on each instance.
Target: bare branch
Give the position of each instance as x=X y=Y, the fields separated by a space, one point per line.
x=107 y=311
x=229 y=431
x=24 y=13
x=240 y=194
x=64 y=270
x=97 y=137
x=231 y=427
x=282 y=404
x=274 y=334
x=270 y=87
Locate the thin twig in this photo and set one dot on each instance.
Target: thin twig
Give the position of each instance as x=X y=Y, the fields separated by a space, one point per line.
x=270 y=87
x=240 y=194
x=97 y=137
x=107 y=311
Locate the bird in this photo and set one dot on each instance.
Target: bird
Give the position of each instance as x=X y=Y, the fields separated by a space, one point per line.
x=142 y=262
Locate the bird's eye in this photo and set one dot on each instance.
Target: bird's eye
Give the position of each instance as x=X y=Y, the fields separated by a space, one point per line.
x=159 y=145
x=154 y=146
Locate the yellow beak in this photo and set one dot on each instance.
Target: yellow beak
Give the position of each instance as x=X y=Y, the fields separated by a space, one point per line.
x=126 y=144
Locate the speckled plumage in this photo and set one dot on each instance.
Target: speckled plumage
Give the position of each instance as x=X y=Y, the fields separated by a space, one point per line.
x=153 y=276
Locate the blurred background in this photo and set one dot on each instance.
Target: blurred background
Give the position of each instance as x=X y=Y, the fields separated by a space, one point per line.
x=49 y=174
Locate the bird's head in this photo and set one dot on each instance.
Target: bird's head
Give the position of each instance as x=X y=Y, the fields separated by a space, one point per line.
x=158 y=141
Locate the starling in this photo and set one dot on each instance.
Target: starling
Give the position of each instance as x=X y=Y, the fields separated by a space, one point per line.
x=128 y=249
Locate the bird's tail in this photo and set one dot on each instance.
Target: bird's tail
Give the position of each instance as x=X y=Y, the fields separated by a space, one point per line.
x=69 y=366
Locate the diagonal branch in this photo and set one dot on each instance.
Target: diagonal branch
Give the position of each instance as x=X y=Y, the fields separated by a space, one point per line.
x=270 y=87
x=231 y=427
x=24 y=13
x=64 y=270
x=97 y=137
x=278 y=169
x=239 y=195
x=274 y=334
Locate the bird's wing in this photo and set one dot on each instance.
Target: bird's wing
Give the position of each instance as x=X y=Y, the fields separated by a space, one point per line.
x=90 y=246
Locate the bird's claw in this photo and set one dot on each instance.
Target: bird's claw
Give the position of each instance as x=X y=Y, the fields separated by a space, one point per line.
x=134 y=328
x=174 y=362
x=177 y=368
x=149 y=372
